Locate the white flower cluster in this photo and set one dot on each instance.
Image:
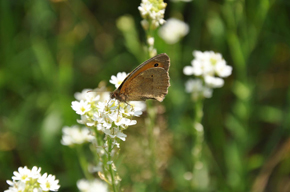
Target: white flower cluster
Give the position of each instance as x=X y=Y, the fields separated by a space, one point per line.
x=31 y=180
x=173 y=30
x=210 y=67
x=107 y=115
x=92 y=186
x=76 y=135
x=152 y=12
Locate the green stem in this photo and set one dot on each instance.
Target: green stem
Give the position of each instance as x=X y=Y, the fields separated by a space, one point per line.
x=198 y=133
x=110 y=148
x=83 y=162
x=150 y=122
x=101 y=158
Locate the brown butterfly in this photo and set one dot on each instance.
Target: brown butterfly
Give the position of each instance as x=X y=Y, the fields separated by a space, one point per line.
x=150 y=80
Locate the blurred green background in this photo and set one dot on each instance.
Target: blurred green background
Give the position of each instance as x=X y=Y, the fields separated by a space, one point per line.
x=51 y=49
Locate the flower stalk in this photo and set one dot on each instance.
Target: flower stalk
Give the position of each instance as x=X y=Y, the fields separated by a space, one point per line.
x=198 y=134
x=83 y=162
x=150 y=124
x=208 y=68
x=104 y=121
x=152 y=12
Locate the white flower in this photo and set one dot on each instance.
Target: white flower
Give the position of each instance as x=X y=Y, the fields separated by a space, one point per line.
x=16 y=186
x=150 y=41
x=115 y=132
x=214 y=82
x=81 y=95
x=173 y=30
x=223 y=70
x=76 y=135
x=107 y=120
x=138 y=107
x=85 y=120
x=193 y=85
x=92 y=96
x=35 y=172
x=48 y=182
x=92 y=186
x=81 y=107
x=196 y=87
x=117 y=80
x=188 y=70
x=22 y=174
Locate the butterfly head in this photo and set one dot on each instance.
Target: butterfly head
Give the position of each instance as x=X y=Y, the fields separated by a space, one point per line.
x=116 y=95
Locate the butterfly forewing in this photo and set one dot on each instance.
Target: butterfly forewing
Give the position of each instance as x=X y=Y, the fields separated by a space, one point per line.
x=162 y=60
x=150 y=80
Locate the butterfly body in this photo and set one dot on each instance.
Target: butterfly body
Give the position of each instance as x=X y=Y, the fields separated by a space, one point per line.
x=150 y=80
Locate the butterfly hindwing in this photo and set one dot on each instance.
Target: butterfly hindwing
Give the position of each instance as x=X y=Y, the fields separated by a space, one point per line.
x=152 y=83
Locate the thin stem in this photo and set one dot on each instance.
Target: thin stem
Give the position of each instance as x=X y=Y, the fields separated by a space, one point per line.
x=83 y=162
x=110 y=148
x=198 y=133
x=101 y=157
x=150 y=122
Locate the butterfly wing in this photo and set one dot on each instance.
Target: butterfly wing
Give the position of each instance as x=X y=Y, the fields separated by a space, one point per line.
x=152 y=83
x=150 y=80
x=162 y=60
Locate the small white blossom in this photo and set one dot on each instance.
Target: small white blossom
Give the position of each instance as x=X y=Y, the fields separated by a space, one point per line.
x=223 y=70
x=48 y=182
x=115 y=132
x=22 y=174
x=150 y=41
x=35 y=172
x=81 y=107
x=196 y=87
x=85 y=120
x=92 y=186
x=75 y=135
x=188 y=70
x=82 y=95
x=117 y=80
x=92 y=97
x=173 y=30
x=214 y=82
